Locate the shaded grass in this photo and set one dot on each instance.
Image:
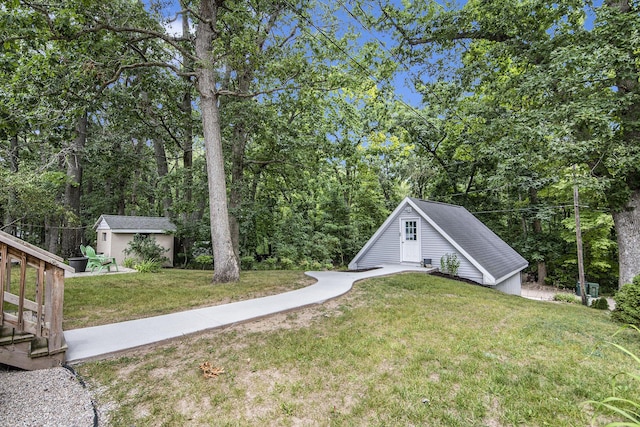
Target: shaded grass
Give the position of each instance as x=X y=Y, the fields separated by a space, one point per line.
x=402 y=350
x=109 y=298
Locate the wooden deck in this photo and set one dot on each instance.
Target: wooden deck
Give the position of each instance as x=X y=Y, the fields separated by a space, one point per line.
x=31 y=297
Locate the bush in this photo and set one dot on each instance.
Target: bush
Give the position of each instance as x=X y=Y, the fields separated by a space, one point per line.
x=316 y=266
x=450 y=264
x=145 y=248
x=268 y=264
x=628 y=303
x=247 y=262
x=129 y=262
x=600 y=304
x=286 y=263
x=148 y=266
x=304 y=264
x=570 y=298
x=204 y=261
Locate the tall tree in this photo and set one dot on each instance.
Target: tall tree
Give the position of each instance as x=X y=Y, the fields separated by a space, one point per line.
x=571 y=80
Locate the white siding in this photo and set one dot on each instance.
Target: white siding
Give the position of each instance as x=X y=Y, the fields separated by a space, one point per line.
x=120 y=242
x=386 y=249
x=512 y=285
x=103 y=242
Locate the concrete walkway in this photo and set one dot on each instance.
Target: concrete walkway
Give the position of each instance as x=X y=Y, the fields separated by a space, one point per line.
x=100 y=341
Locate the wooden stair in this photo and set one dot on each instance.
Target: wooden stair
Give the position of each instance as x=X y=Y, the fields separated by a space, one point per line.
x=31 y=298
x=27 y=351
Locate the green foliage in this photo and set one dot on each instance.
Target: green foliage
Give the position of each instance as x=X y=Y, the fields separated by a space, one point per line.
x=618 y=403
x=287 y=264
x=129 y=262
x=449 y=264
x=600 y=304
x=564 y=297
x=148 y=266
x=247 y=262
x=628 y=303
x=269 y=263
x=205 y=261
x=145 y=248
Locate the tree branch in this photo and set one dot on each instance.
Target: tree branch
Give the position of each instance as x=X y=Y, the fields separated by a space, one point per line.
x=173 y=41
x=464 y=35
x=122 y=68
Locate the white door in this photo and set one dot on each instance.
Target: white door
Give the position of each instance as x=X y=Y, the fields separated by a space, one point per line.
x=410 y=240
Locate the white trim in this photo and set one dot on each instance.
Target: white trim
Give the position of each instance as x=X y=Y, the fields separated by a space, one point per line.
x=452 y=242
x=139 y=231
x=401 y=220
x=354 y=262
x=506 y=276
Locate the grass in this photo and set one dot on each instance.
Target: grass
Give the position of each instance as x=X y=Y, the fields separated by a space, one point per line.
x=109 y=298
x=402 y=350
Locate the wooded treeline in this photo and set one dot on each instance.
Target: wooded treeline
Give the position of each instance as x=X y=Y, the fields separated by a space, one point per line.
x=275 y=129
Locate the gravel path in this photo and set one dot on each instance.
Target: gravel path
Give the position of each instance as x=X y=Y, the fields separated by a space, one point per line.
x=44 y=398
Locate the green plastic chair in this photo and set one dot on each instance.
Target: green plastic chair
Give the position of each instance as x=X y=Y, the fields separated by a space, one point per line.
x=98 y=261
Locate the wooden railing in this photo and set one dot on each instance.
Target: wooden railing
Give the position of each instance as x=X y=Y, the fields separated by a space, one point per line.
x=31 y=296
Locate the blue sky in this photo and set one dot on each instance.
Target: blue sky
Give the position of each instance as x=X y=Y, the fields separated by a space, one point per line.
x=402 y=82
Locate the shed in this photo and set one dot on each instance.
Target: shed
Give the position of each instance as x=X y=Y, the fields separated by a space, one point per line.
x=116 y=231
x=419 y=230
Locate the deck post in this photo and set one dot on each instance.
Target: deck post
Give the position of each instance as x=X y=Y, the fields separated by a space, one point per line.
x=55 y=289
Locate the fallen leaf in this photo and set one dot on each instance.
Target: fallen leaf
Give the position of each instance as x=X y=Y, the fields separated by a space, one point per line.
x=210 y=371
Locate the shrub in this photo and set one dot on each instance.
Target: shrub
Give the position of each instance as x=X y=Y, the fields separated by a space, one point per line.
x=129 y=262
x=247 y=262
x=628 y=303
x=600 y=304
x=316 y=266
x=148 y=266
x=145 y=248
x=564 y=297
x=286 y=263
x=304 y=264
x=204 y=261
x=450 y=264
x=269 y=264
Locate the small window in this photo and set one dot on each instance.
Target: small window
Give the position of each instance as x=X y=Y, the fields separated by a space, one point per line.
x=104 y=237
x=410 y=230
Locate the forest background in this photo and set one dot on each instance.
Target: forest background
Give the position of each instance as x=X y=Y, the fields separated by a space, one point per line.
x=272 y=132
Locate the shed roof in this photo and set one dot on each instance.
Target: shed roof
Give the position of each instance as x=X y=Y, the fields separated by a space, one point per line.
x=476 y=239
x=135 y=224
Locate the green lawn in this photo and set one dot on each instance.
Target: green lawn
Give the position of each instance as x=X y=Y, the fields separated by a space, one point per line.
x=109 y=298
x=403 y=350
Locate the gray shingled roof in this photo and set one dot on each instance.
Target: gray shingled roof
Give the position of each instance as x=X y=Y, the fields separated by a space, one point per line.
x=139 y=223
x=475 y=238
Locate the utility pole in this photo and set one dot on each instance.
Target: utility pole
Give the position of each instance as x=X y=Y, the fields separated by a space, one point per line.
x=576 y=210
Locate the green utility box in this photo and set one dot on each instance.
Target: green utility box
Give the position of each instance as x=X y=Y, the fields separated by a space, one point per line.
x=591 y=288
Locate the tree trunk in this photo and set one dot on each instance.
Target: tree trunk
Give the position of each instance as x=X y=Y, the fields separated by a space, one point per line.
x=237 y=181
x=537 y=231
x=628 y=232
x=190 y=214
x=225 y=261
x=163 y=170
x=627 y=219
x=72 y=231
x=238 y=147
